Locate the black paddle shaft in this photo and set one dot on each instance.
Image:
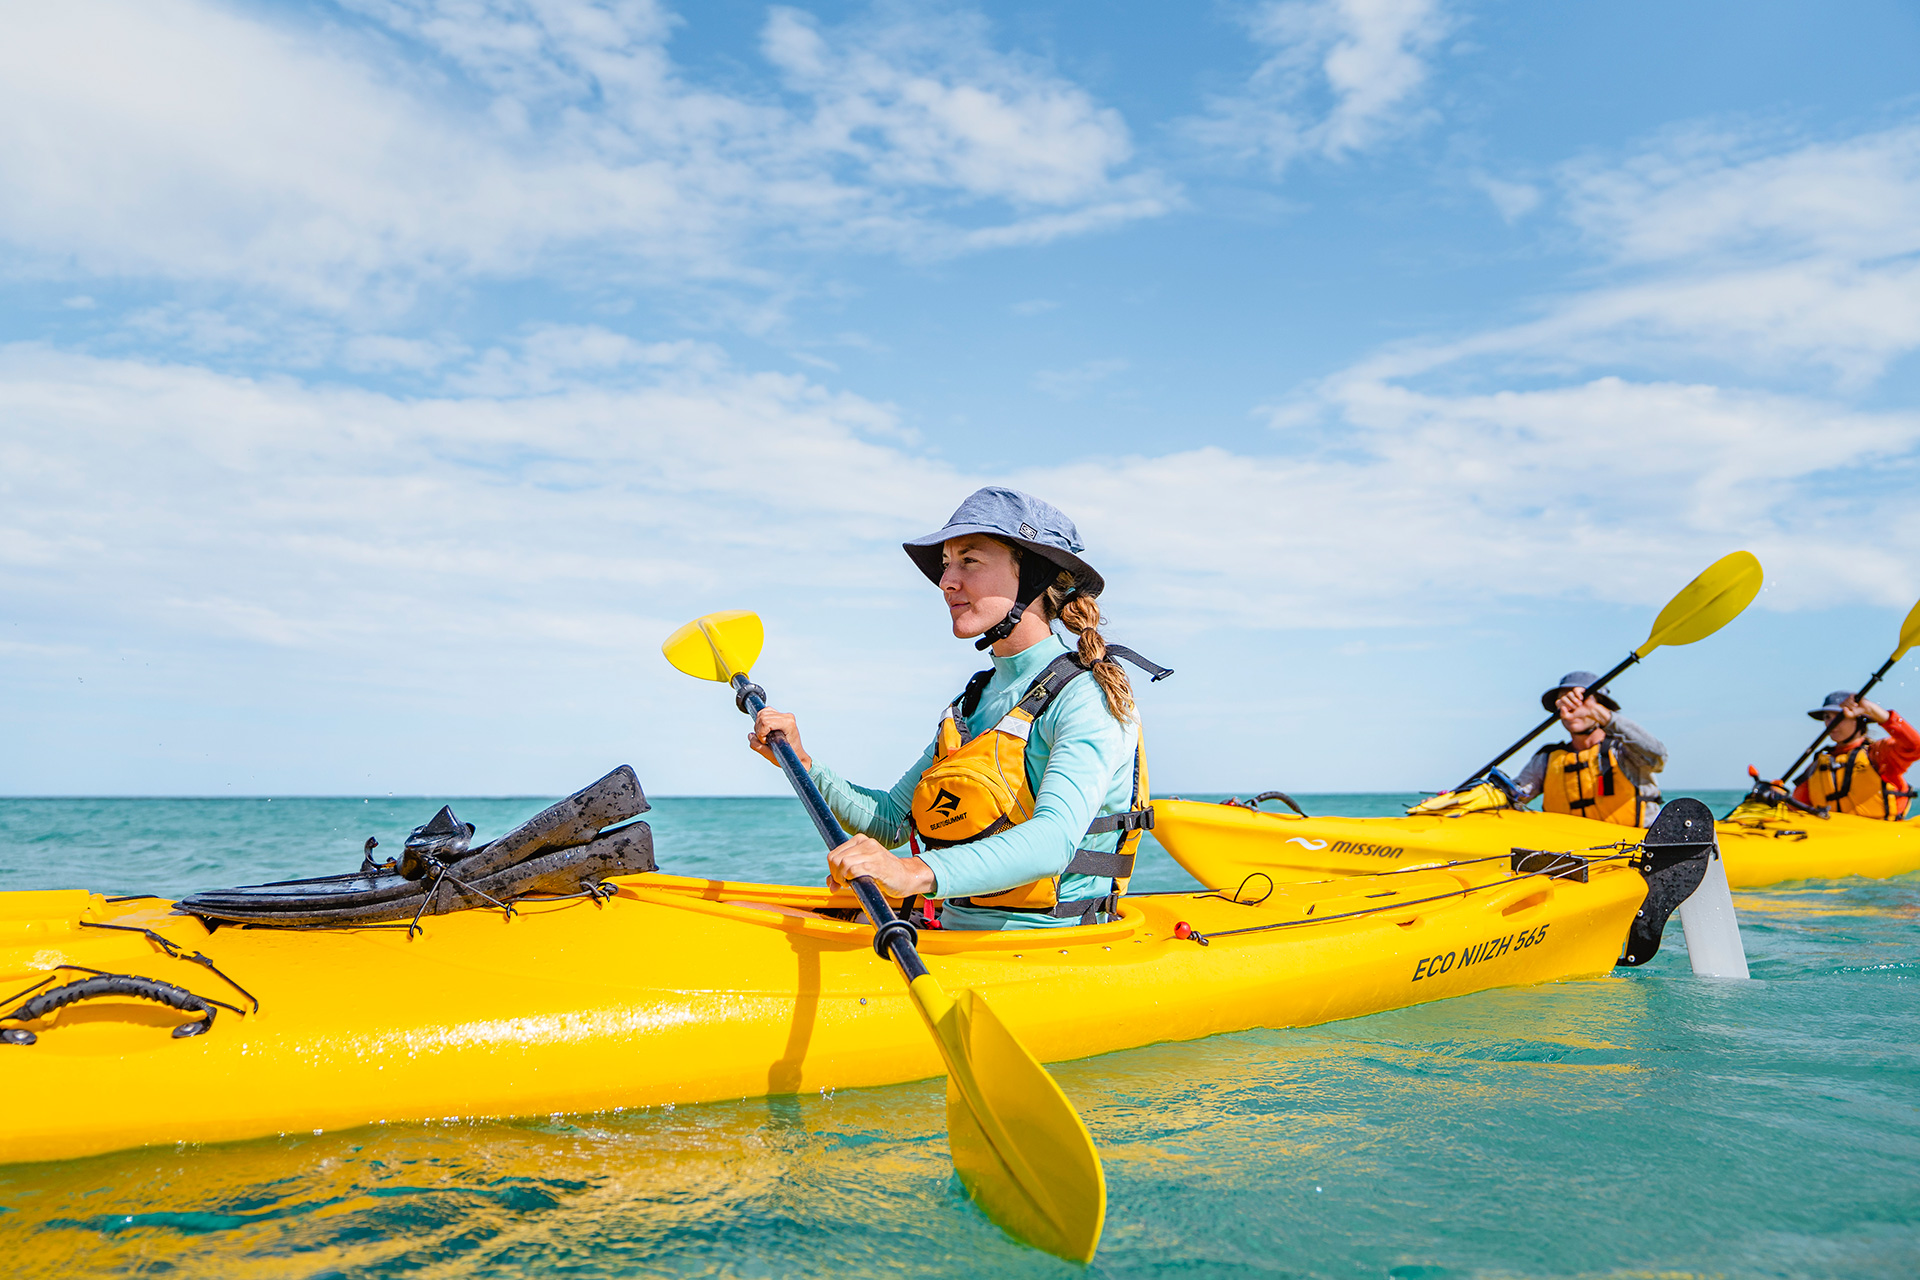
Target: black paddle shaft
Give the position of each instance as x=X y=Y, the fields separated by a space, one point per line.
x=1540 y=728
x=1865 y=689
x=893 y=936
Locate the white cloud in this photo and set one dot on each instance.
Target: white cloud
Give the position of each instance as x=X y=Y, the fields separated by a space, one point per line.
x=189 y=141
x=1071 y=384
x=1514 y=200
x=1727 y=197
x=1340 y=77
x=1410 y=487
x=1777 y=262
x=1513 y=453
x=927 y=104
x=584 y=467
x=466 y=589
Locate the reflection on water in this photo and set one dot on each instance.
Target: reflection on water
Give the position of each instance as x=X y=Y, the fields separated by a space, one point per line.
x=1648 y=1124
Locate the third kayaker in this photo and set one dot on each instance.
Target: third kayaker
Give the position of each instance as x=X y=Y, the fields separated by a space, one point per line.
x=1605 y=769
x=1026 y=808
x=1854 y=775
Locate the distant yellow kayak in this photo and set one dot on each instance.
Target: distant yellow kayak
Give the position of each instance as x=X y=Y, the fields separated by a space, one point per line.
x=683 y=990
x=1221 y=844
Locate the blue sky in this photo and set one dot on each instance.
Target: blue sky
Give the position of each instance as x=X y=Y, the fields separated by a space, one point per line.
x=380 y=381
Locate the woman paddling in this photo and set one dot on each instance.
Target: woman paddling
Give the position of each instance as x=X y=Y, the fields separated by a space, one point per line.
x=1026 y=808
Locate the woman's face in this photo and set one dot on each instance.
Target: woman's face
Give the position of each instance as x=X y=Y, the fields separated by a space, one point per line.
x=979 y=579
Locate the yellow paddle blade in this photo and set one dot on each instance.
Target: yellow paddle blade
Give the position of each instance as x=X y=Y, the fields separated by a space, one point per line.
x=1708 y=603
x=717 y=646
x=1008 y=1124
x=1909 y=634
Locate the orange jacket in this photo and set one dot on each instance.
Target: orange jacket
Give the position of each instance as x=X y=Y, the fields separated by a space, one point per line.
x=1890 y=756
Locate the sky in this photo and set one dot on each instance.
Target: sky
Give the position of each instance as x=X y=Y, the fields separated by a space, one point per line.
x=381 y=381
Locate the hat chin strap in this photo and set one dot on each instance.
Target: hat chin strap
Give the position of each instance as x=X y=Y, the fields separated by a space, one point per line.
x=1002 y=629
x=1036 y=574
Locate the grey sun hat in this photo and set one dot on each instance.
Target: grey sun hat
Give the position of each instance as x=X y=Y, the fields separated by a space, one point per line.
x=1578 y=680
x=1011 y=516
x=1831 y=707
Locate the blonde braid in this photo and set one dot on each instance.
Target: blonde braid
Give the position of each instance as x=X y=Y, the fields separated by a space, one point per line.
x=1081 y=613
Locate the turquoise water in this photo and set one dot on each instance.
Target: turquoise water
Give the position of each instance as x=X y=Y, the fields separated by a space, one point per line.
x=1642 y=1125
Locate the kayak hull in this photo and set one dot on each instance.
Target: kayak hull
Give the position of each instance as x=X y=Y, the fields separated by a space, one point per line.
x=680 y=990
x=1220 y=845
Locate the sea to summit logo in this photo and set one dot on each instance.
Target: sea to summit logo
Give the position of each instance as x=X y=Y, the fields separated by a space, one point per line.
x=947 y=805
x=1028 y=531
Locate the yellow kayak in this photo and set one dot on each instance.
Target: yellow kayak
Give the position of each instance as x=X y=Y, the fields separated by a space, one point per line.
x=1761 y=844
x=676 y=990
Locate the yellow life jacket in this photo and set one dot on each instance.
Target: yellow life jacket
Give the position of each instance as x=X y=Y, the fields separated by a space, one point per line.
x=1850 y=784
x=977 y=788
x=1590 y=784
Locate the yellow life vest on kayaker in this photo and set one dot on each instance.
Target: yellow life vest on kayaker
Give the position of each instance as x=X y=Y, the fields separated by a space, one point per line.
x=1590 y=784
x=979 y=787
x=1849 y=783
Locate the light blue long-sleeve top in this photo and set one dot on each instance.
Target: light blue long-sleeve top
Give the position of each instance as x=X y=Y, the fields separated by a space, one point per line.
x=1079 y=764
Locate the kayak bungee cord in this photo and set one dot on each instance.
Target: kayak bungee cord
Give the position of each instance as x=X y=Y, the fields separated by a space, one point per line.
x=1206 y=939
x=600 y=892
x=441 y=872
x=1624 y=846
x=174 y=949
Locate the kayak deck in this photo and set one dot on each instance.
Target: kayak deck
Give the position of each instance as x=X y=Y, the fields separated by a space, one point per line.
x=688 y=990
x=1221 y=844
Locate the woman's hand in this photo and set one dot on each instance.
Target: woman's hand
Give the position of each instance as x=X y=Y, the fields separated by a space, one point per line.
x=1577 y=704
x=865 y=856
x=771 y=721
x=1860 y=707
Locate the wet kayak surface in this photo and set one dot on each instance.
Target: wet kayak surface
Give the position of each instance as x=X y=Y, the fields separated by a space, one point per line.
x=1648 y=1123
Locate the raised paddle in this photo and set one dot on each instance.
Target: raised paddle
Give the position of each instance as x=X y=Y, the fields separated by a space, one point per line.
x=1018 y=1144
x=1909 y=637
x=1712 y=600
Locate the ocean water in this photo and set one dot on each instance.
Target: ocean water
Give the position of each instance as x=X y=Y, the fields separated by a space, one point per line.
x=1642 y=1125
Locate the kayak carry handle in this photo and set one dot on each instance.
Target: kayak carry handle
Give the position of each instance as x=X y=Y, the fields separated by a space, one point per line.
x=103 y=985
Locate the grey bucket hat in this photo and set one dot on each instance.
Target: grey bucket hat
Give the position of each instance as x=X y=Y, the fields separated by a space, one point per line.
x=1578 y=680
x=1019 y=518
x=1831 y=707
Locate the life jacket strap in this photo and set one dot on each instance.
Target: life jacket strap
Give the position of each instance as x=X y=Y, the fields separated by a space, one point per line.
x=1132 y=820
x=1043 y=691
x=1148 y=665
x=969 y=699
x=1000 y=824
x=1087 y=909
x=1092 y=862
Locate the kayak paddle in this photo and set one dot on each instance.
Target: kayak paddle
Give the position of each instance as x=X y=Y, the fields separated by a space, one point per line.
x=1018 y=1144
x=1712 y=600
x=1909 y=636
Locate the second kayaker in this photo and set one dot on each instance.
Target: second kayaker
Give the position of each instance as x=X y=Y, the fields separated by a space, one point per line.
x=1026 y=808
x=1855 y=775
x=1605 y=768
